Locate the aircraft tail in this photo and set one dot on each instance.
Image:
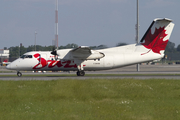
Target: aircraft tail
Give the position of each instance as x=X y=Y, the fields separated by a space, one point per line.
x=157 y=36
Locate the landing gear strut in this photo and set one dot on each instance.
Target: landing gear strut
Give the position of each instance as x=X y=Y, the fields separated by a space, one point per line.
x=80 y=73
x=19 y=74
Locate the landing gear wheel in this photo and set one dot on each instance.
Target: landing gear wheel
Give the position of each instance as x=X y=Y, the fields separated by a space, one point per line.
x=19 y=74
x=80 y=73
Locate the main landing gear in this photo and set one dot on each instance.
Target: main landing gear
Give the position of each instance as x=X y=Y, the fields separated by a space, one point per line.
x=19 y=74
x=80 y=73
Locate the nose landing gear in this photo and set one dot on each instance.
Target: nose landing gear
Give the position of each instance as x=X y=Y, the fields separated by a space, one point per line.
x=19 y=74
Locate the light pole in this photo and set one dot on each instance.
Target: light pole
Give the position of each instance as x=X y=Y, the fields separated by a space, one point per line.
x=56 y=25
x=35 y=41
x=19 y=51
x=137 y=30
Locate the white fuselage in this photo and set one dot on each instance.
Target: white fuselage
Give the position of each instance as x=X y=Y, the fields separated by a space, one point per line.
x=113 y=58
x=151 y=47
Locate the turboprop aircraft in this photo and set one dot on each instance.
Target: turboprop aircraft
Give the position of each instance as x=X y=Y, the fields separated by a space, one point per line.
x=151 y=47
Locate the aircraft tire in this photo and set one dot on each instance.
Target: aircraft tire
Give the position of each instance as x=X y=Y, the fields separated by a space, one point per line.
x=19 y=74
x=80 y=73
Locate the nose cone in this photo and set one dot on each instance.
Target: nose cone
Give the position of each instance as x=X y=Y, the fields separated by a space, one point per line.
x=8 y=66
x=11 y=66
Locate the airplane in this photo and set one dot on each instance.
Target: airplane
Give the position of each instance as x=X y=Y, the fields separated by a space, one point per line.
x=81 y=59
x=5 y=62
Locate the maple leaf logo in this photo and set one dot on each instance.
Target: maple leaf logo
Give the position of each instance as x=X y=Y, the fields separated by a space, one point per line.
x=155 y=41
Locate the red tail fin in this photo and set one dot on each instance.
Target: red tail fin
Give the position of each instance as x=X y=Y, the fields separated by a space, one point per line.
x=157 y=36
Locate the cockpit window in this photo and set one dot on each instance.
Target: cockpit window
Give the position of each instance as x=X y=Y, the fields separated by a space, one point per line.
x=23 y=56
x=26 y=56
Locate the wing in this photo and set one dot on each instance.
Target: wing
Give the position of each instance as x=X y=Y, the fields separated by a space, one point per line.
x=85 y=53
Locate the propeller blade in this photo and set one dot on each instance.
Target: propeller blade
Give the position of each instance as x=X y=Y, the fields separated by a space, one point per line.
x=54 y=52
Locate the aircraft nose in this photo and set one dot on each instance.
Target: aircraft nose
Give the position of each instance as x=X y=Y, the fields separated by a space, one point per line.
x=12 y=66
x=8 y=66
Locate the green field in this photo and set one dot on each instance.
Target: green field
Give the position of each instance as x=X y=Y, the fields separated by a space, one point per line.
x=90 y=99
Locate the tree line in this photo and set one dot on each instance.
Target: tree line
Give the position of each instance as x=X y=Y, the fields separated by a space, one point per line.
x=17 y=51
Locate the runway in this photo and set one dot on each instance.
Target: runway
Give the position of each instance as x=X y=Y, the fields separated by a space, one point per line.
x=146 y=72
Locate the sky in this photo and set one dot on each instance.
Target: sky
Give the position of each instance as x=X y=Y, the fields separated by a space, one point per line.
x=83 y=22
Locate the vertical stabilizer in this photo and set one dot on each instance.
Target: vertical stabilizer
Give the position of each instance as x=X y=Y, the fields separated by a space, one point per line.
x=157 y=36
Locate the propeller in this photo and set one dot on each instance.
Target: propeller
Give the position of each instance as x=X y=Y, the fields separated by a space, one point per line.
x=54 y=52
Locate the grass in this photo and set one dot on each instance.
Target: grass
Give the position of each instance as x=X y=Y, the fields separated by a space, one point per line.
x=91 y=99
